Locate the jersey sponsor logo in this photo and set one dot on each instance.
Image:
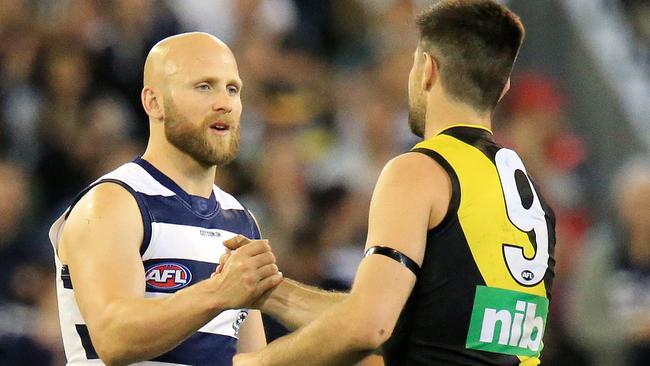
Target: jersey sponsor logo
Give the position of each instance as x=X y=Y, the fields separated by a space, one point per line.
x=508 y=322
x=208 y=233
x=168 y=276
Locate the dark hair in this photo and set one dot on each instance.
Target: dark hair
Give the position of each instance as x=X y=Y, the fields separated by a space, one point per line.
x=475 y=43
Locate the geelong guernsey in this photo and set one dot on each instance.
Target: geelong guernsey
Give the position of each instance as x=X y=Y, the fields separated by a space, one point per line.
x=183 y=240
x=483 y=292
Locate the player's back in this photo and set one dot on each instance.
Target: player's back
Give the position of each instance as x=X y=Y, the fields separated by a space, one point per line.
x=482 y=295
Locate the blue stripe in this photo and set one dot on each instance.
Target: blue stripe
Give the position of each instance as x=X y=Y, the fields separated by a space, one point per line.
x=200 y=349
x=65 y=277
x=199 y=271
x=87 y=344
x=171 y=210
x=203 y=349
x=144 y=212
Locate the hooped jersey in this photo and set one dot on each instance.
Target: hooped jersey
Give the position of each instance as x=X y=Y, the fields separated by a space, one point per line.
x=483 y=292
x=182 y=244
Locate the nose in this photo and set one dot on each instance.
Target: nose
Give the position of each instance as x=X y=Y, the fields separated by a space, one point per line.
x=223 y=102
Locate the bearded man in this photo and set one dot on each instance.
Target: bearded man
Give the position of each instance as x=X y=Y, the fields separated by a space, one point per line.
x=137 y=251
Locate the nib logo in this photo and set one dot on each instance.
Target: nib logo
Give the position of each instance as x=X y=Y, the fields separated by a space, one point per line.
x=509 y=322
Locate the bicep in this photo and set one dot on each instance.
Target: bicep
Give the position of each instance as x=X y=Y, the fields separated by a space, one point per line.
x=399 y=218
x=251 y=333
x=100 y=245
x=402 y=204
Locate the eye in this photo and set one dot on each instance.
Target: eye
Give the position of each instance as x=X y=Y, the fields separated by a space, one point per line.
x=233 y=90
x=203 y=87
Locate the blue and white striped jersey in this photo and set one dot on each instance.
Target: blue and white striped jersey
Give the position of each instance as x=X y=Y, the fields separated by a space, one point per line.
x=183 y=240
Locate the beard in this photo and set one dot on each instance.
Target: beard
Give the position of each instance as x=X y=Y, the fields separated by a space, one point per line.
x=417 y=117
x=195 y=140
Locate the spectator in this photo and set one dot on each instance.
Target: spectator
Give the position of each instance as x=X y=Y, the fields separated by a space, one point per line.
x=611 y=308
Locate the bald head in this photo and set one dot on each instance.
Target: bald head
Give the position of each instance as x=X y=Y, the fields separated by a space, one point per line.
x=192 y=95
x=174 y=55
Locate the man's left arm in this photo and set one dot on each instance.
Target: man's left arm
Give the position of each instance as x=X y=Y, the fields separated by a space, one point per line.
x=408 y=194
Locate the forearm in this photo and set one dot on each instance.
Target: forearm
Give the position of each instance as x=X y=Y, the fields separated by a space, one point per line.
x=295 y=304
x=333 y=339
x=132 y=330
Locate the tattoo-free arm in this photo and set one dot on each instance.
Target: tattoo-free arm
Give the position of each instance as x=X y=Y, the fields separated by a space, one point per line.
x=100 y=244
x=411 y=190
x=295 y=304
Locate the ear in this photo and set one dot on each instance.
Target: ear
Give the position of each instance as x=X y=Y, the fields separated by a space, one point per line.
x=505 y=89
x=152 y=104
x=430 y=71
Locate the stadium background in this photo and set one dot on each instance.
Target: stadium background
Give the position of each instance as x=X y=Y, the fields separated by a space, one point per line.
x=325 y=107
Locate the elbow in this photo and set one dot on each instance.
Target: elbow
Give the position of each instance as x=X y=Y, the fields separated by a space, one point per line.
x=372 y=335
x=111 y=357
x=110 y=351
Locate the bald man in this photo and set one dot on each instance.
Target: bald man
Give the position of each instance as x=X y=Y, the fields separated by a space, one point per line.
x=137 y=251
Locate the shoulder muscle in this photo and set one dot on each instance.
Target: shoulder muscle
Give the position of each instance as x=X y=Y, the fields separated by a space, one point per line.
x=411 y=192
x=108 y=212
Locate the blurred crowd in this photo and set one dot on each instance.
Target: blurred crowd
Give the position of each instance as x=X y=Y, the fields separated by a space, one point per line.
x=325 y=107
x=638 y=14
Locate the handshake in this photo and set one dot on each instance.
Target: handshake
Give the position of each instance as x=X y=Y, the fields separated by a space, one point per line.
x=246 y=273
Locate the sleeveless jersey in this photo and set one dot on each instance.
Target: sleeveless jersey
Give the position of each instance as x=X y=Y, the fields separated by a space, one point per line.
x=183 y=240
x=483 y=292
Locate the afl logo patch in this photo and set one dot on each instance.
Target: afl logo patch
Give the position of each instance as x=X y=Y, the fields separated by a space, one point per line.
x=168 y=276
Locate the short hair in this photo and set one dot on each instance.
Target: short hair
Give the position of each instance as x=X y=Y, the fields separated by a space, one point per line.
x=475 y=44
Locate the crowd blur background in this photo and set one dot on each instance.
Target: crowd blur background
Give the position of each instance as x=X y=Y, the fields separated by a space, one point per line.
x=325 y=107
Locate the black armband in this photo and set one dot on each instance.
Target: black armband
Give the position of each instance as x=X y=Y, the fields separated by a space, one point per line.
x=396 y=256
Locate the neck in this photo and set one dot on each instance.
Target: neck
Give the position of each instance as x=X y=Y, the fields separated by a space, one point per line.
x=447 y=113
x=193 y=177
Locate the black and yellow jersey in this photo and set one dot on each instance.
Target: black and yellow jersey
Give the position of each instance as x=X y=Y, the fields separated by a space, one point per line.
x=483 y=291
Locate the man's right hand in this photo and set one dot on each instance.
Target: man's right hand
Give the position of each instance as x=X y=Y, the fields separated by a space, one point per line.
x=246 y=272
x=235 y=244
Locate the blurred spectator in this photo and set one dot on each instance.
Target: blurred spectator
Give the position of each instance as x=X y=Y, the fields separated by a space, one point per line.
x=639 y=13
x=29 y=329
x=283 y=194
x=106 y=138
x=67 y=76
x=15 y=244
x=340 y=235
x=611 y=308
x=21 y=99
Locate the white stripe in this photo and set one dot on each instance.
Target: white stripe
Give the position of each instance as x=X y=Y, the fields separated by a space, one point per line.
x=137 y=178
x=226 y=200
x=55 y=232
x=186 y=242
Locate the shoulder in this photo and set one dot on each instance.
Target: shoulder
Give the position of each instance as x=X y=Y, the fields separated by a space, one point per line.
x=107 y=211
x=414 y=180
x=106 y=197
x=414 y=168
